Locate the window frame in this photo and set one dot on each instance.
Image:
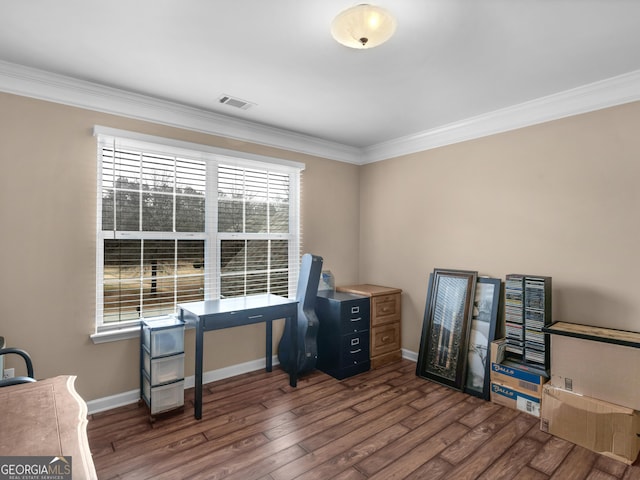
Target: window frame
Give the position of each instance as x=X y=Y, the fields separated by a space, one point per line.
x=213 y=157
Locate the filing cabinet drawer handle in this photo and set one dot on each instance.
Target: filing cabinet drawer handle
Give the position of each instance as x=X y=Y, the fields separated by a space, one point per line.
x=355 y=341
x=355 y=351
x=355 y=310
x=356 y=319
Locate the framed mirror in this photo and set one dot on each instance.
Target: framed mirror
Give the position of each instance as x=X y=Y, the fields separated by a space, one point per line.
x=484 y=319
x=445 y=330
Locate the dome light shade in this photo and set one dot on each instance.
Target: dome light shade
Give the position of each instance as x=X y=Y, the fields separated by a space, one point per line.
x=363 y=26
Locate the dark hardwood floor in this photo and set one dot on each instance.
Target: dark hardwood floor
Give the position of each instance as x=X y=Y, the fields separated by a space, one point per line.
x=383 y=424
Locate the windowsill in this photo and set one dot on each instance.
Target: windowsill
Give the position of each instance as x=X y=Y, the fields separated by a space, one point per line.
x=115 y=335
x=126 y=333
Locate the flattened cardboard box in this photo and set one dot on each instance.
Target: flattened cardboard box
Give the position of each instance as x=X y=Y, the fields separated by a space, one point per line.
x=600 y=426
x=513 y=375
x=516 y=399
x=599 y=370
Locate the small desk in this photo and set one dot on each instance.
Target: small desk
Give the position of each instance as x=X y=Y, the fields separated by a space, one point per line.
x=46 y=418
x=235 y=312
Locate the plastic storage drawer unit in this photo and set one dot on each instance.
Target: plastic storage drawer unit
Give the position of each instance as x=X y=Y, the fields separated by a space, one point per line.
x=162 y=364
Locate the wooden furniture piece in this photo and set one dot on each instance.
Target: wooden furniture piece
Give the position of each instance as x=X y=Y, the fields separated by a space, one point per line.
x=597 y=334
x=385 y=346
x=343 y=334
x=234 y=312
x=162 y=364
x=46 y=418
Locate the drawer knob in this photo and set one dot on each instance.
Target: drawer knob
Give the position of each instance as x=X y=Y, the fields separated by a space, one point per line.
x=386 y=338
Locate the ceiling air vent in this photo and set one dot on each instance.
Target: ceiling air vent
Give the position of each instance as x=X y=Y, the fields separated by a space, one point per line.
x=235 y=102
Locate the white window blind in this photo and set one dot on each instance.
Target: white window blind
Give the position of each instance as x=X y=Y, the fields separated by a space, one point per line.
x=176 y=226
x=253 y=231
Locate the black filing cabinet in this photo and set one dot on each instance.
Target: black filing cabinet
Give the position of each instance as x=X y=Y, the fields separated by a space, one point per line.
x=343 y=333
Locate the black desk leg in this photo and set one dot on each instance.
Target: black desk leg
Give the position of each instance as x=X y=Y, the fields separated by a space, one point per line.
x=269 y=345
x=197 y=400
x=293 y=372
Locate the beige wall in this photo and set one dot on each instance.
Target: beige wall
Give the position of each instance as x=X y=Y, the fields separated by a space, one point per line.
x=47 y=234
x=459 y=206
x=559 y=199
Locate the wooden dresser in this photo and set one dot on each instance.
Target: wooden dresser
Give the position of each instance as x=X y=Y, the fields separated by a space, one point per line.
x=385 y=346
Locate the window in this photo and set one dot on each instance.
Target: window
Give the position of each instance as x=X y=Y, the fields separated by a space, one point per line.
x=177 y=224
x=253 y=227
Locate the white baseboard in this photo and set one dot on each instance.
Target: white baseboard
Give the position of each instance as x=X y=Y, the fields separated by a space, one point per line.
x=132 y=396
x=409 y=355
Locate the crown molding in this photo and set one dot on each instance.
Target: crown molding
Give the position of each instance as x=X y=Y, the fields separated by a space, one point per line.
x=35 y=83
x=587 y=98
x=30 y=82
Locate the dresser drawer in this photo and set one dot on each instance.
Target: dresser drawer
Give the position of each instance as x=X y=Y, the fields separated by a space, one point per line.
x=385 y=338
x=385 y=308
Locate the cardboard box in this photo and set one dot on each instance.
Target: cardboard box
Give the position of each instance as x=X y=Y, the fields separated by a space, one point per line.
x=600 y=370
x=515 y=398
x=600 y=426
x=514 y=375
x=498 y=348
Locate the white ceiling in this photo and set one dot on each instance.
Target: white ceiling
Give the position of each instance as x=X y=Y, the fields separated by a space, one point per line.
x=450 y=60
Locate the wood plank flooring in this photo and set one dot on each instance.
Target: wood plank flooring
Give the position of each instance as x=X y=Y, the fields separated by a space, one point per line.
x=384 y=424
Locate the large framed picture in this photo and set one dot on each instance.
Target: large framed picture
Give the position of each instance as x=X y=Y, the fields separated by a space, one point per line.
x=483 y=331
x=445 y=330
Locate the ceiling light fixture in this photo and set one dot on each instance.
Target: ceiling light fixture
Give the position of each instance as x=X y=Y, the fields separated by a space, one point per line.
x=363 y=26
